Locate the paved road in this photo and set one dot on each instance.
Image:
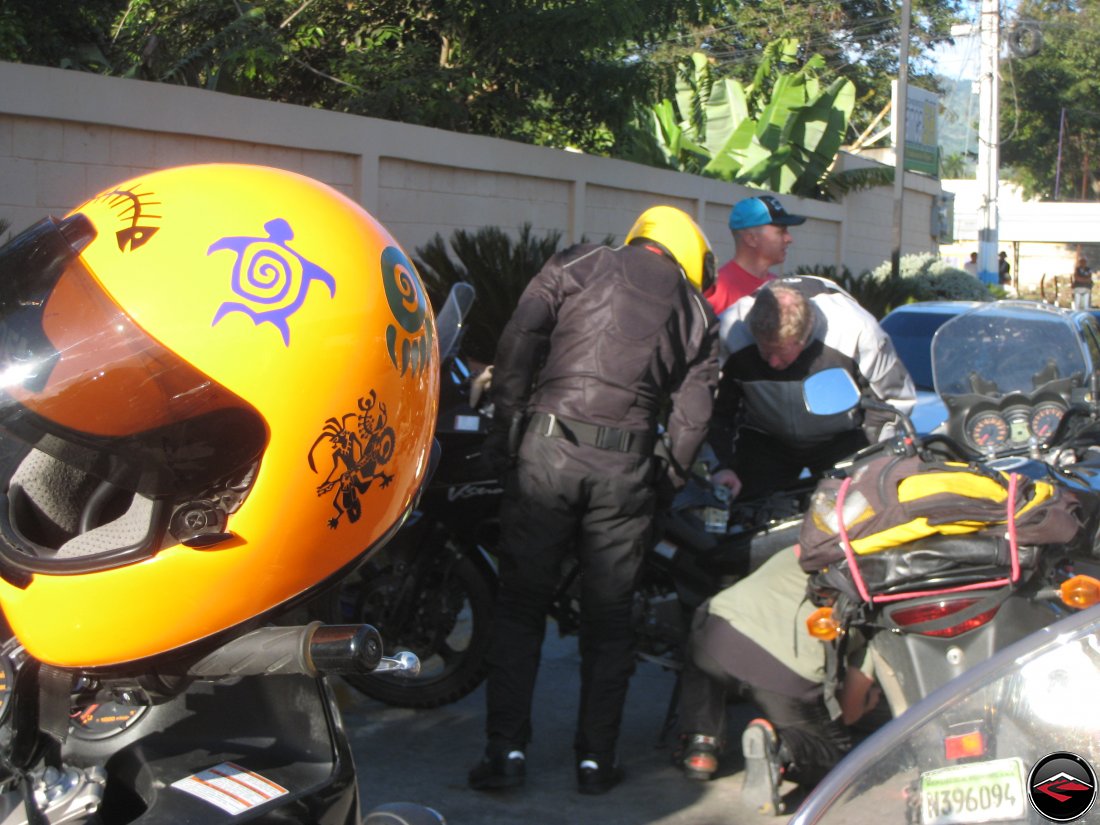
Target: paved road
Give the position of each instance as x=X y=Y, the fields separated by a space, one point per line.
x=424 y=755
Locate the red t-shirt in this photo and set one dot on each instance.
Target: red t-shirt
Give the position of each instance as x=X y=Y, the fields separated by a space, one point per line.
x=732 y=283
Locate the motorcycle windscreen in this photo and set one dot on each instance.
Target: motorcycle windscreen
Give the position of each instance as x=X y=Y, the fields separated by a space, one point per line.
x=1006 y=348
x=974 y=750
x=80 y=381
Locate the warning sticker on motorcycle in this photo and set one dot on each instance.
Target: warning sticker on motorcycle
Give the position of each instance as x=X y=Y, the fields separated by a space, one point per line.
x=231 y=787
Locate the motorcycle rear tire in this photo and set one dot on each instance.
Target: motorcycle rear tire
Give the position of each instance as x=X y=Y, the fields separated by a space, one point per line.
x=447 y=674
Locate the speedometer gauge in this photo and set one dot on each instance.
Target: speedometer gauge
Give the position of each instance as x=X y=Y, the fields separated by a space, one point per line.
x=1045 y=419
x=102 y=719
x=987 y=430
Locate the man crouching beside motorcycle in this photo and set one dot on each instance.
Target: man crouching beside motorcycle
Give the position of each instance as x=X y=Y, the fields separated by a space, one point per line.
x=749 y=642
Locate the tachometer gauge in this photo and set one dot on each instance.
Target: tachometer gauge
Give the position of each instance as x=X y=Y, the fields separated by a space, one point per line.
x=1045 y=419
x=987 y=430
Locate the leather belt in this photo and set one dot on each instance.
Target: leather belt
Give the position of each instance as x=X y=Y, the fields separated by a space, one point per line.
x=549 y=425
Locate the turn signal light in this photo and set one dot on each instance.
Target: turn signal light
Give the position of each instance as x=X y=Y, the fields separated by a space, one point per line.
x=1080 y=591
x=821 y=624
x=964 y=744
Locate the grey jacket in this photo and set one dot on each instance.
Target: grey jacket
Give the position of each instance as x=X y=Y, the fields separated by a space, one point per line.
x=752 y=394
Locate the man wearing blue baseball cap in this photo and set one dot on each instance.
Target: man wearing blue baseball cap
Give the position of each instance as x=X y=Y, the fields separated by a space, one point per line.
x=761 y=235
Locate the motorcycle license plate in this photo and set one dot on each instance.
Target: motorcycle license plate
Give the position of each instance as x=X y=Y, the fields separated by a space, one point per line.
x=977 y=792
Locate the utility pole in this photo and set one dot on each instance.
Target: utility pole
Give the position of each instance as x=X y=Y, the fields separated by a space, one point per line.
x=901 y=113
x=988 y=141
x=1058 y=167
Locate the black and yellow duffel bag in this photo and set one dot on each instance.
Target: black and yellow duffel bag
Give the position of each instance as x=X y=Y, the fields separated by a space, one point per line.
x=900 y=520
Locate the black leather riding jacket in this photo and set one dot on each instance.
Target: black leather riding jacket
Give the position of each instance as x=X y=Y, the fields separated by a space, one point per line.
x=609 y=336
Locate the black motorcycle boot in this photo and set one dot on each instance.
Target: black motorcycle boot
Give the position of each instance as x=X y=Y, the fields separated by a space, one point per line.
x=763 y=768
x=597 y=775
x=697 y=756
x=498 y=769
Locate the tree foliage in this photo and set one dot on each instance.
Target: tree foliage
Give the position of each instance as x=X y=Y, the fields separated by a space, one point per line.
x=1062 y=76
x=781 y=132
x=550 y=72
x=542 y=71
x=497 y=264
x=858 y=40
x=52 y=33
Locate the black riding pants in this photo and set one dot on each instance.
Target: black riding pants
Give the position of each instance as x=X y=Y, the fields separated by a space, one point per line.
x=567 y=498
x=726 y=665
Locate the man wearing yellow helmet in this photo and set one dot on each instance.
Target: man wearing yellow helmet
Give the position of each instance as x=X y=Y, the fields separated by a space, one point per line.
x=602 y=341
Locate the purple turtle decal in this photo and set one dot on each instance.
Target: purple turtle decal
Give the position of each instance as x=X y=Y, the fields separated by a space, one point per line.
x=270 y=277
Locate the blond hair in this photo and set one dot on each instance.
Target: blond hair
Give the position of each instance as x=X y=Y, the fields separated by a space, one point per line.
x=779 y=315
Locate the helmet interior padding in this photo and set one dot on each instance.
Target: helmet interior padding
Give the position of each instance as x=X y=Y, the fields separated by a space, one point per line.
x=60 y=512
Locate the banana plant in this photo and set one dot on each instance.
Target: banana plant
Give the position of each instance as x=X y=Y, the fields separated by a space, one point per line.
x=785 y=141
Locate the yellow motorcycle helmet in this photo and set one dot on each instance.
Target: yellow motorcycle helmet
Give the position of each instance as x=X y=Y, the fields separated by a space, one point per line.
x=677 y=234
x=219 y=389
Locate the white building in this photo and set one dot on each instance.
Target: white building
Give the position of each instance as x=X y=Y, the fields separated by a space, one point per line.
x=1042 y=240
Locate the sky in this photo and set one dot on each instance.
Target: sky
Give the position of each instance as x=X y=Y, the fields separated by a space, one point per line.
x=958 y=62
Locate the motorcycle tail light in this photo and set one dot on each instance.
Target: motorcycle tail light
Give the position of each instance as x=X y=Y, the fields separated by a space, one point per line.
x=1080 y=592
x=906 y=617
x=962 y=745
x=821 y=624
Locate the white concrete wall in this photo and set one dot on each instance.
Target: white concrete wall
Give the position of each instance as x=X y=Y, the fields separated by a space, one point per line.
x=65 y=136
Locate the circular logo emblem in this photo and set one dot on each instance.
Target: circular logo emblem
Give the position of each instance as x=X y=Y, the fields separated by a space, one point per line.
x=1061 y=786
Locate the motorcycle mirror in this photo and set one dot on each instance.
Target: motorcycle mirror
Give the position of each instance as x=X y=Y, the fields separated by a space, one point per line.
x=830 y=392
x=449 y=322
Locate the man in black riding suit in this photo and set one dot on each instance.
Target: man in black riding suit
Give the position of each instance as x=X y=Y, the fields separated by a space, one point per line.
x=603 y=342
x=762 y=434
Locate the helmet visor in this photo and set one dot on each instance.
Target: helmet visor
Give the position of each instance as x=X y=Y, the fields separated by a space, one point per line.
x=80 y=381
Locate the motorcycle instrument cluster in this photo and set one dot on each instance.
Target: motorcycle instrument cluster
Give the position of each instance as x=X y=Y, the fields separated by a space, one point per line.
x=992 y=430
x=106 y=716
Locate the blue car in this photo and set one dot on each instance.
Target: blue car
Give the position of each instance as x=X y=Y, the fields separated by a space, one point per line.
x=912 y=326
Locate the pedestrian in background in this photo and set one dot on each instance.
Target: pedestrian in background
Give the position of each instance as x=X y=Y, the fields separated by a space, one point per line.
x=1082 y=284
x=1004 y=269
x=602 y=342
x=971 y=266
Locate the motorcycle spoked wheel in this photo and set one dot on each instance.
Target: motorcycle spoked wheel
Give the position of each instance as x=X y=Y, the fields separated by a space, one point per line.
x=448 y=630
